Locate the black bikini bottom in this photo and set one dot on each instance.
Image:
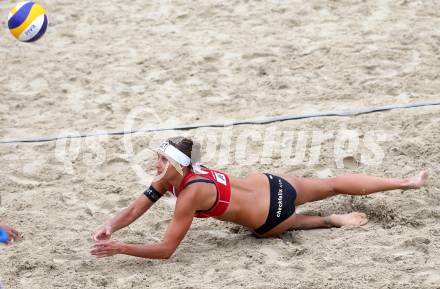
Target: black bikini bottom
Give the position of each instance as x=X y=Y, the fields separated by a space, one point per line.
x=282 y=203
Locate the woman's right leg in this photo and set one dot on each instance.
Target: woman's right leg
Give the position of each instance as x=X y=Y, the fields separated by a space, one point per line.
x=311 y=189
x=305 y=222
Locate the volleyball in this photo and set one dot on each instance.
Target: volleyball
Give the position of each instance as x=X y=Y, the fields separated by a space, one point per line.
x=27 y=21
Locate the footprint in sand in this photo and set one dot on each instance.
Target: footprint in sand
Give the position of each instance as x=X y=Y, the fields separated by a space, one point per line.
x=273 y=257
x=115 y=164
x=429 y=276
x=27 y=182
x=251 y=56
x=418 y=243
x=350 y=162
x=212 y=57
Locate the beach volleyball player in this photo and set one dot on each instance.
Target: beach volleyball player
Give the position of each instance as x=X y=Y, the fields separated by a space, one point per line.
x=264 y=203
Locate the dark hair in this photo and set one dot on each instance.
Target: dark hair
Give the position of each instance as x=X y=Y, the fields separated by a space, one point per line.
x=188 y=147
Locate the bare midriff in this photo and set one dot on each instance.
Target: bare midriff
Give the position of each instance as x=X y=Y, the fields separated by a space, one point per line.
x=249 y=204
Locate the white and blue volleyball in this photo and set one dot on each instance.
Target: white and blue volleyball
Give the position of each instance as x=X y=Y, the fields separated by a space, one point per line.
x=27 y=21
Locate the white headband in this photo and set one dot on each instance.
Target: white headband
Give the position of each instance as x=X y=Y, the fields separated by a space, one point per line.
x=172 y=152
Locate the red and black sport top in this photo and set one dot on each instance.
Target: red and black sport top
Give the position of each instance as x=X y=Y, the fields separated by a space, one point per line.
x=221 y=182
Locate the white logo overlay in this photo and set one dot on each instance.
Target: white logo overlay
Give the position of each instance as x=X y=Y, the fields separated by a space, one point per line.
x=221 y=147
x=220 y=178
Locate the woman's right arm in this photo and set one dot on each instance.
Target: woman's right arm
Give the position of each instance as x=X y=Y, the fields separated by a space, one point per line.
x=126 y=216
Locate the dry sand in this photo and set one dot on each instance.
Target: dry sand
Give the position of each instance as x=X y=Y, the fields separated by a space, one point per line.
x=202 y=61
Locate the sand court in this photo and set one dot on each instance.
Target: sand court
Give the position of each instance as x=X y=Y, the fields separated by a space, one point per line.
x=111 y=66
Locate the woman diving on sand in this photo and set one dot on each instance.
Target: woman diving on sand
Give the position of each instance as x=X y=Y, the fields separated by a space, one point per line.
x=264 y=203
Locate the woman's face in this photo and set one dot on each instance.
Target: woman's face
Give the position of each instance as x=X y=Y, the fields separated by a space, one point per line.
x=162 y=164
x=165 y=167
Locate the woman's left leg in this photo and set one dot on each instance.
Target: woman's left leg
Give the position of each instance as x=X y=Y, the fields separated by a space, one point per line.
x=311 y=189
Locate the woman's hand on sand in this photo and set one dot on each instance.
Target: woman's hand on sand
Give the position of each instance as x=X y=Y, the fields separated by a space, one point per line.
x=106 y=248
x=104 y=233
x=13 y=234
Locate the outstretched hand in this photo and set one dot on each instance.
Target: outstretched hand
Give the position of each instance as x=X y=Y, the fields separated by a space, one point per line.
x=103 y=233
x=106 y=248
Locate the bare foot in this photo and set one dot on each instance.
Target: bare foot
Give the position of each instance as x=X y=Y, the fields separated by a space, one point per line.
x=354 y=218
x=418 y=181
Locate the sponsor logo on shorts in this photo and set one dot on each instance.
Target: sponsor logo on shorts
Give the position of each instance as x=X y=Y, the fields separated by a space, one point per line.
x=280 y=198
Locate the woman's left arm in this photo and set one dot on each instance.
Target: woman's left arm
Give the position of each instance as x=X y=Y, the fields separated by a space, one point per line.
x=176 y=231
